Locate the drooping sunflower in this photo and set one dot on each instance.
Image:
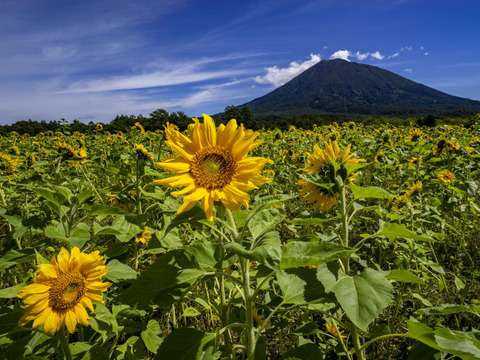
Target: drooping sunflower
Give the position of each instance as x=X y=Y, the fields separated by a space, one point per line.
x=144 y=153
x=213 y=165
x=62 y=289
x=413 y=189
x=446 y=177
x=320 y=163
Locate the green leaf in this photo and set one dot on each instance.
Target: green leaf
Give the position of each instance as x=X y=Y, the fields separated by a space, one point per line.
x=300 y=253
x=264 y=222
x=461 y=344
x=78 y=237
x=85 y=195
x=445 y=309
x=363 y=297
x=104 y=322
x=100 y=209
x=132 y=349
x=55 y=197
x=268 y=202
x=11 y=292
x=118 y=271
x=204 y=253
x=400 y=231
x=188 y=344
x=368 y=192
x=167 y=280
x=194 y=215
x=420 y=351
x=151 y=336
x=9 y=320
x=157 y=194
x=191 y=312
x=404 y=276
x=301 y=286
x=14 y=257
x=354 y=167
x=87 y=351
x=266 y=251
x=312 y=221
x=308 y=351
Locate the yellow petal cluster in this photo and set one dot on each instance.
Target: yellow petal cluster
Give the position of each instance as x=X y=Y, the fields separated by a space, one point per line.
x=62 y=289
x=213 y=165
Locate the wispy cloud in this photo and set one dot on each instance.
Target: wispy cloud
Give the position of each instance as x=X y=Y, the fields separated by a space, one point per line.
x=408 y=71
x=346 y=55
x=279 y=76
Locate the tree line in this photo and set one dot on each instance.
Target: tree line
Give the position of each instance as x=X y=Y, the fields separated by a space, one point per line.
x=160 y=117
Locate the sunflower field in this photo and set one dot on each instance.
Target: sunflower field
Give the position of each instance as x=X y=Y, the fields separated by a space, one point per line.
x=346 y=241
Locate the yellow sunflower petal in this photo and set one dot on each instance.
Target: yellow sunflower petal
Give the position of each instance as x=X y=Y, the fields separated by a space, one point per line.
x=70 y=321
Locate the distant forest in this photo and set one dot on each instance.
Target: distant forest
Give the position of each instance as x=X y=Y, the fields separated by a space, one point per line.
x=160 y=117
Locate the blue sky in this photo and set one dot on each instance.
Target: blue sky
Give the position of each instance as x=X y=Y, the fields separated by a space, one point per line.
x=93 y=59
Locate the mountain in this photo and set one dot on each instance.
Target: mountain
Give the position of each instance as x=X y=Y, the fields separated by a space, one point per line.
x=343 y=87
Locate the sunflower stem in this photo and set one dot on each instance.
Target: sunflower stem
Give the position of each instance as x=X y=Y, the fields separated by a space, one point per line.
x=345 y=220
x=137 y=185
x=64 y=341
x=249 y=298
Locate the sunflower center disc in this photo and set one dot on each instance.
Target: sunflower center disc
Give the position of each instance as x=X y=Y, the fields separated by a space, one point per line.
x=213 y=167
x=67 y=290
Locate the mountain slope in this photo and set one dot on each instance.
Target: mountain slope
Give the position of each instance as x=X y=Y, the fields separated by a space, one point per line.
x=342 y=87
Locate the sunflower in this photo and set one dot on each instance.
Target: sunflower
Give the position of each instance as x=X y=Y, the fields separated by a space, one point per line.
x=333 y=330
x=414 y=134
x=142 y=152
x=62 y=289
x=8 y=166
x=143 y=236
x=446 y=177
x=320 y=163
x=140 y=127
x=213 y=165
x=414 y=189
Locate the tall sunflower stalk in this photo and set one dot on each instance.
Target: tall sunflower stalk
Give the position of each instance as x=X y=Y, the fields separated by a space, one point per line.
x=213 y=167
x=328 y=172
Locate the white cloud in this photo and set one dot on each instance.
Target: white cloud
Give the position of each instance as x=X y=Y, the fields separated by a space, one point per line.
x=408 y=71
x=406 y=48
x=426 y=54
x=278 y=77
x=341 y=54
x=360 y=56
x=377 y=55
x=345 y=55
x=394 y=55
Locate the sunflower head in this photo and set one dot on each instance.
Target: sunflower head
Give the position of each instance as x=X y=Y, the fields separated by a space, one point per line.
x=8 y=165
x=414 y=134
x=212 y=164
x=143 y=153
x=143 y=236
x=63 y=289
x=446 y=177
x=327 y=171
x=414 y=189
